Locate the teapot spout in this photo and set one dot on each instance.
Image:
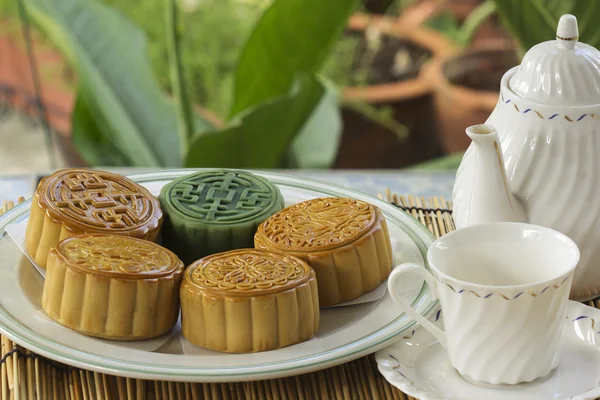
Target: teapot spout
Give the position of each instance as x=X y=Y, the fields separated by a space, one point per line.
x=491 y=199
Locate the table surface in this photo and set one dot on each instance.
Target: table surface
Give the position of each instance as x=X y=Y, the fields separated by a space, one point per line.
x=370 y=182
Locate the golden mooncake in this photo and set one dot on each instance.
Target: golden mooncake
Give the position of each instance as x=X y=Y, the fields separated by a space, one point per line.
x=345 y=241
x=71 y=202
x=112 y=287
x=249 y=300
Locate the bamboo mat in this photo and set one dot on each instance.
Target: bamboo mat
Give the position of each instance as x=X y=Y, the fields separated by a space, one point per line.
x=25 y=375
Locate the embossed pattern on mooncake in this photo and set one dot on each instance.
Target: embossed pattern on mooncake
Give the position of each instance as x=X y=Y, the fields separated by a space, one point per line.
x=318 y=224
x=118 y=255
x=248 y=270
x=98 y=200
x=213 y=211
x=222 y=197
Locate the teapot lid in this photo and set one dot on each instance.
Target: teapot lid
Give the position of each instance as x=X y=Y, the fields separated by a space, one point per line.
x=560 y=72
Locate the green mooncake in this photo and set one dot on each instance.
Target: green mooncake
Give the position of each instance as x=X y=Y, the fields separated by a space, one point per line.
x=214 y=211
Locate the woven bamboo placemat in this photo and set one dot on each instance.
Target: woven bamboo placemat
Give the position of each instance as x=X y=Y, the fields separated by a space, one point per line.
x=26 y=375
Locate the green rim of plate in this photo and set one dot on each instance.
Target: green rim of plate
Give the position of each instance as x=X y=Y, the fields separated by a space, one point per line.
x=99 y=361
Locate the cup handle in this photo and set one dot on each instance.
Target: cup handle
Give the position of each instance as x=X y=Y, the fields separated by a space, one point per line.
x=395 y=279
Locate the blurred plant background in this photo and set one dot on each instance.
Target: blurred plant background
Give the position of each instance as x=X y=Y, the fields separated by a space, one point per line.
x=265 y=83
x=214 y=32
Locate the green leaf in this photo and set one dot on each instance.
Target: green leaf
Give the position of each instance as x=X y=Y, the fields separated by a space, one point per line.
x=109 y=54
x=478 y=16
x=535 y=21
x=89 y=140
x=293 y=38
x=316 y=145
x=182 y=99
x=261 y=136
x=445 y=23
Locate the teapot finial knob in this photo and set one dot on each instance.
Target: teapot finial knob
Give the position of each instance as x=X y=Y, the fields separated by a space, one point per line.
x=567 y=32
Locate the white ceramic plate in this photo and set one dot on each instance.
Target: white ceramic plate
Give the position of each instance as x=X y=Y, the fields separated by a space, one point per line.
x=346 y=332
x=419 y=366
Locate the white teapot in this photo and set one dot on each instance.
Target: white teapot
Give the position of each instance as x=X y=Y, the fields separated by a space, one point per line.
x=537 y=157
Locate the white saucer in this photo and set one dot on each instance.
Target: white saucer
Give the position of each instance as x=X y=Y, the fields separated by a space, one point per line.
x=419 y=366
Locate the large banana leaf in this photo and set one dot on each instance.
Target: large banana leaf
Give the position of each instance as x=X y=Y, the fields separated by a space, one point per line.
x=118 y=88
x=261 y=136
x=89 y=140
x=292 y=38
x=535 y=21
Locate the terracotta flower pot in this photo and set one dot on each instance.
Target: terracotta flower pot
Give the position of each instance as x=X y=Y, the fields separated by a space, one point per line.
x=466 y=89
x=366 y=143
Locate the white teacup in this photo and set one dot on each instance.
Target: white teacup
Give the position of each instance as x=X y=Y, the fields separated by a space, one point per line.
x=503 y=288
